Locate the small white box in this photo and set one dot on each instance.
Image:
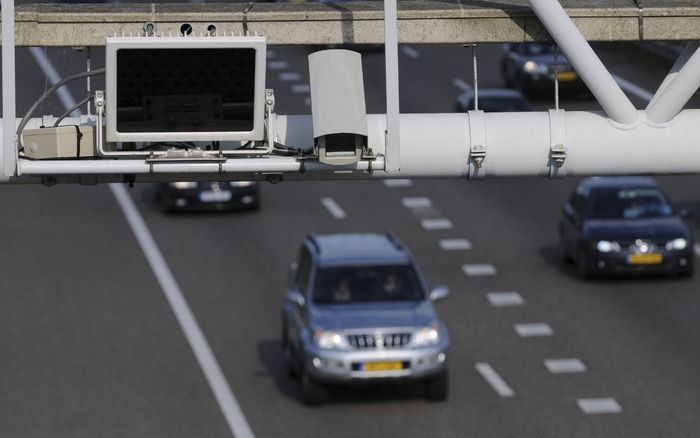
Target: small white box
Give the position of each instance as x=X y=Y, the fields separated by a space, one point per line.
x=59 y=142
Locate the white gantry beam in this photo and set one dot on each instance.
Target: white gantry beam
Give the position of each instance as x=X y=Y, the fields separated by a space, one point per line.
x=679 y=87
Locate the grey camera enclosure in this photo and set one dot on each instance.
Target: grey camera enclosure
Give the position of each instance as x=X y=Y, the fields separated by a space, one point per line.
x=338 y=108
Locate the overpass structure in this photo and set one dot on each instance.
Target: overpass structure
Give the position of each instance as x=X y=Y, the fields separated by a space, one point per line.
x=661 y=139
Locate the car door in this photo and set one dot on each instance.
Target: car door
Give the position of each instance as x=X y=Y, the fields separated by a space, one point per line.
x=298 y=310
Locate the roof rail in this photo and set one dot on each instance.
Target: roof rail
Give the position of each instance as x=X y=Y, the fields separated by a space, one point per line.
x=311 y=237
x=395 y=240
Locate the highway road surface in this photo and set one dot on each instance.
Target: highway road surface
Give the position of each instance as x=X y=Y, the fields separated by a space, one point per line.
x=116 y=319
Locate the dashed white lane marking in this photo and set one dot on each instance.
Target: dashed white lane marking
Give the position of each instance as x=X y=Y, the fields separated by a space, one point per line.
x=278 y=65
x=633 y=88
x=392 y=183
x=599 y=406
x=478 y=270
x=492 y=378
x=533 y=329
x=457 y=82
x=202 y=351
x=307 y=101
x=505 y=299
x=333 y=208
x=227 y=402
x=436 y=224
x=455 y=244
x=289 y=76
x=270 y=54
x=417 y=202
x=696 y=248
x=64 y=94
x=562 y=366
x=410 y=52
x=300 y=88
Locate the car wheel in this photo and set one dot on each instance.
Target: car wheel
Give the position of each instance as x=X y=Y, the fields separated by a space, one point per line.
x=289 y=357
x=584 y=271
x=312 y=392
x=436 y=389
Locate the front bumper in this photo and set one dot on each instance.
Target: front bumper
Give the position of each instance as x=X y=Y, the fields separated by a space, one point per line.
x=673 y=262
x=346 y=367
x=193 y=199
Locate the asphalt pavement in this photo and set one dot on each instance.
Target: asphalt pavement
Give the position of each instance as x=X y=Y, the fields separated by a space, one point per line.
x=91 y=345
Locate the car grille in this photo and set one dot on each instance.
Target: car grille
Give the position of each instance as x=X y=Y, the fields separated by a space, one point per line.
x=379 y=341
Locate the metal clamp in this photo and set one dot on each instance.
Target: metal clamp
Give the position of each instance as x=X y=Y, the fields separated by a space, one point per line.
x=557 y=144
x=99 y=112
x=477 y=144
x=640 y=8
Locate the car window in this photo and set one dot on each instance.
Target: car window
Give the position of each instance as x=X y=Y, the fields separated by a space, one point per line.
x=362 y=284
x=536 y=49
x=628 y=203
x=501 y=104
x=304 y=269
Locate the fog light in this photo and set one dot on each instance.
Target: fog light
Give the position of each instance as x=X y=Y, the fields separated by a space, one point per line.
x=180 y=202
x=441 y=357
x=247 y=199
x=682 y=262
x=601 y=264
x=317 y=362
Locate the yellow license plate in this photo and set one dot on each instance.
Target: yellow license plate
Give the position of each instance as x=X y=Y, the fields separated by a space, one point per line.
x=382 y=366
x=646 y=259
x=567 y=76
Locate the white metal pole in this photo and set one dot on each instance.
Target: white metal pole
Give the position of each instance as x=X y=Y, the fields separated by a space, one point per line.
x=8 y=154
x=391 y=57
x=585 y=61
x=685 y=54
x=677 y=93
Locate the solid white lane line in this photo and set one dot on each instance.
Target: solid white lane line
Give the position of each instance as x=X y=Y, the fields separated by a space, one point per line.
x=202 y=351
x=562 y=366
x=638 y=91
x=455 y=244
x=696 y=248
x=505 y=299
x=593 y=406
x=278 y=65
x=205 y=357
x=392 y=183
x=307 y=101
x=270 y=54
x=416 y=202
x=410 y=52
x=457 y=82
x=289 y=76
x=52 y=75
x=479 y=270
x=333 y=208
x=300 y=88
x=436 y=224
x=492 y=378
x=533 y=329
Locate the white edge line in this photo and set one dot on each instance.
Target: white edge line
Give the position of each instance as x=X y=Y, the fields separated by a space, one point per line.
x=333 y=208
x=205 y=357
x=492 y=378
x=593 y=406
x=459 y=83
x=633 y=88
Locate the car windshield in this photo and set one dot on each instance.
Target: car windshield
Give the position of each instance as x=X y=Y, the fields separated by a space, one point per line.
x=363 y=284
x=628 y=203
x=536 y=49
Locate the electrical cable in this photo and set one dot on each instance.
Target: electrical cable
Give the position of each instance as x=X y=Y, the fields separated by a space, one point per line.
x=73 y=108
x=50 y=91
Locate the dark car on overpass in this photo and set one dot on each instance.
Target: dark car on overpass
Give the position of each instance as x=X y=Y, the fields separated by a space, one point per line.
x=529 y=67
x=625 y=225
x=493 y=100
x=207 y=196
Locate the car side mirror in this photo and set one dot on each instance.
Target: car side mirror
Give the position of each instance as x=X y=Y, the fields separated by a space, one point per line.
x=685 y=213
x=296 y=298
x=292 y=276
x=439 y=293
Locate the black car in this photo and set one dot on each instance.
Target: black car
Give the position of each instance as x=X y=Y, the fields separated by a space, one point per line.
x=529 y=67
x=493 y=100
x=625 y=225
x=208 y=196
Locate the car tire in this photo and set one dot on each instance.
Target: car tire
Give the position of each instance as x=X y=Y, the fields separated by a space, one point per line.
x=437 y=388
x=312 y=392
x=290 y=364
x=584 y=271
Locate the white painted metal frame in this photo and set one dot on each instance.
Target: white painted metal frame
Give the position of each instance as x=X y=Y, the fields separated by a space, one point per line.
x=8 y=153
x=391 y=59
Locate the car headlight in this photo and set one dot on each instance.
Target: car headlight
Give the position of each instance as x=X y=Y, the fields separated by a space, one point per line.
x=329 y=340
x=241 y=183
x=184 y=185
x=607 y=246
x=427 y=336
x=533 y=67
x=677 y=244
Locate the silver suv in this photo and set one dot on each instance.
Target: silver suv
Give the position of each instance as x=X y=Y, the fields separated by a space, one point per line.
x=357 y=311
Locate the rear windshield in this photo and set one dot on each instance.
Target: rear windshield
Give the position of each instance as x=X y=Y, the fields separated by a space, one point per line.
x=628 y=203
x=363 y=284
